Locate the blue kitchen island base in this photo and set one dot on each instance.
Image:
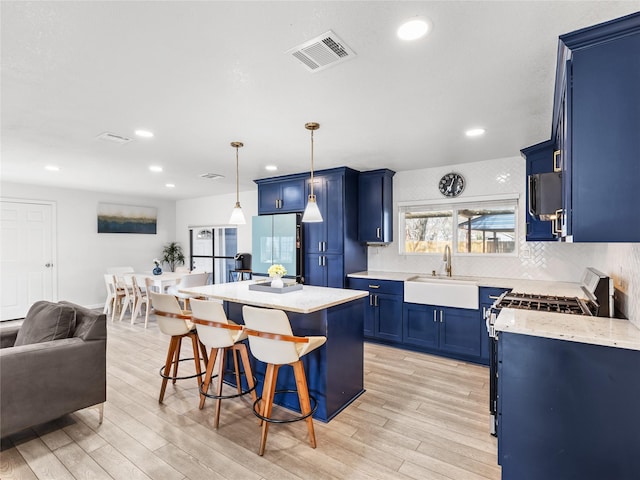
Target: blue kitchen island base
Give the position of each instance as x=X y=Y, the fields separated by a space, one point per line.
x=335 y=371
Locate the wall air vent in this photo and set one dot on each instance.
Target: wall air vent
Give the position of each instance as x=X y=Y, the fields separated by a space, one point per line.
x=322 y=52
x=212 y=176
x=113 y=138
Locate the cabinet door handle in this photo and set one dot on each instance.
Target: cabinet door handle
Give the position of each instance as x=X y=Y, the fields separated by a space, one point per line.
x=324 y=246
x=320 y=261
x=319 y=246
x=435 y=319
x=378 y=232
x=557 y=161
x=376 y=301
x=557 y=223
x=374 y=286
x=440 y=316
x=324 y=261
x=370 y=300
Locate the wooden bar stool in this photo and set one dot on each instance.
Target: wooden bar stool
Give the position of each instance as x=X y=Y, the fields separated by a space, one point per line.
x=176 y=323
x=221 y=335
x=272 y=341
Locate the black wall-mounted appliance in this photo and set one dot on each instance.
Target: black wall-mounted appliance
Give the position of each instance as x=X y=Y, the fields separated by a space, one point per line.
x=545 y=195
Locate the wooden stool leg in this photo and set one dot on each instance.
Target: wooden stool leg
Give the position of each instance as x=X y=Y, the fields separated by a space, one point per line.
x=167 y=366
x=221 y=358
x=176 y=359
x=303 y=396
x=268 y=392
x=236 y=369
x=248 y=373
x=196 y=357
x=207 y=378
x=203 y=349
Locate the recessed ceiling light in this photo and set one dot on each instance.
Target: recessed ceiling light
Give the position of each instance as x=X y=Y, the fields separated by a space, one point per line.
x=475 y=132
x=155 y=168
x=170 y=185
x=144 y=133
x=271 y=168
x=413 y=29
x=52 y=168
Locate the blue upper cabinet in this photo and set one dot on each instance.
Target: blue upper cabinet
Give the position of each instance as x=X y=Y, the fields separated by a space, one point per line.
x=375 y=220
x=539 y=159
x=596 y=125
x=331 y=247
x=282 y=194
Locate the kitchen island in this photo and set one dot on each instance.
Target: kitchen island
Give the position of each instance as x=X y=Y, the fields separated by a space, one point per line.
x=334 y=371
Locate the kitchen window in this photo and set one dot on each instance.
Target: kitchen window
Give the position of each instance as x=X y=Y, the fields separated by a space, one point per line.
x=483 y=227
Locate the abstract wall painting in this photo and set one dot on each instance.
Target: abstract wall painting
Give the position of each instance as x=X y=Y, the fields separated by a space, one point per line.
x=114 y=218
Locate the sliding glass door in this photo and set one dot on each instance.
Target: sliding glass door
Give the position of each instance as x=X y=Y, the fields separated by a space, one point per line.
x=213 y=249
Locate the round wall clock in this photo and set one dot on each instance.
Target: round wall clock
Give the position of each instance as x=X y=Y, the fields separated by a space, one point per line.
x=451 y=184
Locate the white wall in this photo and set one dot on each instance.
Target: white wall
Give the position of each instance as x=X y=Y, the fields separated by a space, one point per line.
x=535 y=260
x=82 y=254
x=215 y=210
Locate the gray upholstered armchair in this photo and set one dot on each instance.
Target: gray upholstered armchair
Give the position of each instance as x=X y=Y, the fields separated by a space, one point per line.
x=60 y=372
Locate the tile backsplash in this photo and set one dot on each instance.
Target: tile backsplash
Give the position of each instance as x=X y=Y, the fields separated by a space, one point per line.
x=534 y=260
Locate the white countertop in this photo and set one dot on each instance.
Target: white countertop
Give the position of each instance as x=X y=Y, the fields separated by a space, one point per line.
x=540 y=287
x=605 y=331
x=309 y=299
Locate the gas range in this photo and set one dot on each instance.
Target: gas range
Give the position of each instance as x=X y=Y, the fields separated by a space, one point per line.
x=546 y=303
x=597 y=301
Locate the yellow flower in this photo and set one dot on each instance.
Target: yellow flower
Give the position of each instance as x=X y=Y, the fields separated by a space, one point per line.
x=277 y=270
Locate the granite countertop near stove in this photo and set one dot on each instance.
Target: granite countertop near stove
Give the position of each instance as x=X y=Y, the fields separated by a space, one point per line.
x=611 y=332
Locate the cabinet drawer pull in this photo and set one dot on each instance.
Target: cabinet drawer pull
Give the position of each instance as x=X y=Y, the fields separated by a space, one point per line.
x=374 y=286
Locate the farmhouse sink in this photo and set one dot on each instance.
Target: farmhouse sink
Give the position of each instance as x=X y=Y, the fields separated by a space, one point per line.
x=441 y=291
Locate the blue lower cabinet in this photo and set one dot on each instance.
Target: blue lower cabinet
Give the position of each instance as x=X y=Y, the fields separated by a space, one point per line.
x=324 y=270
x=453 y=331
x=383 y=310
x=460 y=331
x=567 y=410
x=421 y=325
x=387 y=316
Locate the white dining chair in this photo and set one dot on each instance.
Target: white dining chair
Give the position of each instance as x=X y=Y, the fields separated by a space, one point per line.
x=188 y=281
x=117 y=296
x=140 y=296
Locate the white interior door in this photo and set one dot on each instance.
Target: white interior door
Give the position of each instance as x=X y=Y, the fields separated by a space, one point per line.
x=26 y=256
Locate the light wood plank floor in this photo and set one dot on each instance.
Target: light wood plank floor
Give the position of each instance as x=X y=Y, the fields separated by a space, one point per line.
x=421 y=417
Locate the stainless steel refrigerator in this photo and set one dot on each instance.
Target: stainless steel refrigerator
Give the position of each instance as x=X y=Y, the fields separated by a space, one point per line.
x=277 y=239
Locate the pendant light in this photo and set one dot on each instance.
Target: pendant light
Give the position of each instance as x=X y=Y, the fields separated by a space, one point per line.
x=312 y=212
x=237 y=217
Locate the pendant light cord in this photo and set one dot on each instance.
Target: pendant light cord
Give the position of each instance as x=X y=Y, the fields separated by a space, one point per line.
x=237 y=178
x=312 y=163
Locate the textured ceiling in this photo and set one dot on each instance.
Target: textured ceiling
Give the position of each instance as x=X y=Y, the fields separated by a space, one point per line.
x=203 y=74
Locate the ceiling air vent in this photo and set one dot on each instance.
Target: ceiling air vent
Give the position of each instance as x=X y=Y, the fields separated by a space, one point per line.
x=322 y=52
x=113 y=138
x=212 y=176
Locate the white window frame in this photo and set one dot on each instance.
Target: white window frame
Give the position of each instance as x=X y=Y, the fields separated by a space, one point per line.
x=489 y=201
